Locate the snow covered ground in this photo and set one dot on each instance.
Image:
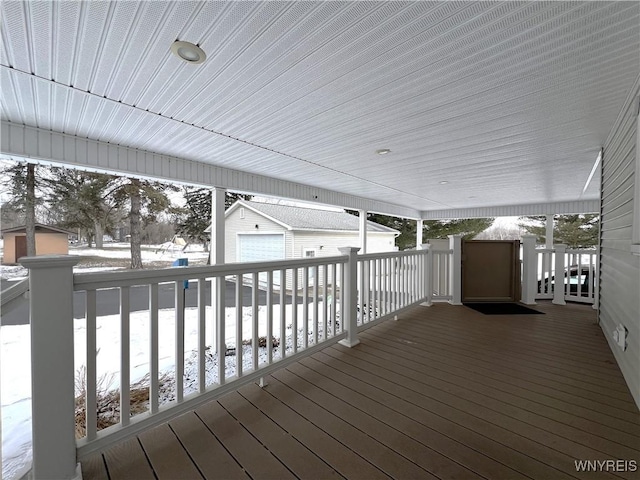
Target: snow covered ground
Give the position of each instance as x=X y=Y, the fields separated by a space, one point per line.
x=16 y=383
x=165 y=253
x=15 y=380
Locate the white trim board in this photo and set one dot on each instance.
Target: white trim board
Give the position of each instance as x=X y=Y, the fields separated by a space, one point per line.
x=21 y=142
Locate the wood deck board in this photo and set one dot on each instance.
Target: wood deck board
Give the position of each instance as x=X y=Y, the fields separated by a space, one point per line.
x=474 y=432
x=246 y=449
x=210 y=456
x=342 y=459
x=95 y=468
x=420 y=432
x=383 y=457
x=300 y=460
x=166 y=454
x=127 y=461
x=444 y=392
x=534 y=397
x=558 y=389
x=478 y=349
x=472 y=415
x=575 y=441
x=397 y=439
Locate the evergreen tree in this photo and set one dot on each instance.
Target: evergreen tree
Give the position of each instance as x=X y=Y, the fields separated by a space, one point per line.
x=83 y=201
x=22 y=185
x=195 y=217
x=145 y=199
x=468 y=228
x=575 y=231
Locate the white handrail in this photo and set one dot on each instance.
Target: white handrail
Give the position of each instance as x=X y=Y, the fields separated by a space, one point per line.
x=100 y=280
x=574 y=266
x=328 y=303
x=13 y=292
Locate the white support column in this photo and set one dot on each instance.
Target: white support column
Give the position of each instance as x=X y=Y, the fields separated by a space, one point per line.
x=350 y=297
x=455 y=244
x=558 y=289
x=362 y=216
x=549 y=232
x=52 y=366
x=419 y=229
x=428 y=274
x=529 y=270
x=217 y=258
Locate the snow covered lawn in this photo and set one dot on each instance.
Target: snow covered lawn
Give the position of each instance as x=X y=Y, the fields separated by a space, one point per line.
x=16 y=378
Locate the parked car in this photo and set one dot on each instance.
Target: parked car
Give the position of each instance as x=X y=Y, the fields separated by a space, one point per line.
x=577 y=277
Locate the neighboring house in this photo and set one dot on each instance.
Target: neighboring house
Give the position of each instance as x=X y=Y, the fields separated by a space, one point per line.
x=264 y=231
x=49 y=240
x=257 y=232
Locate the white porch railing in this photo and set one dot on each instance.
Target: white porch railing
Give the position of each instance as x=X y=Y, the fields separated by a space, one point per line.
x=330 y=300
x=579 y=273
x=13 y=295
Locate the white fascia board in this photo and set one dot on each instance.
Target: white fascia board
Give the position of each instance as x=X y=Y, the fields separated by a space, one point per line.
x=21 y=143
x=559 y=208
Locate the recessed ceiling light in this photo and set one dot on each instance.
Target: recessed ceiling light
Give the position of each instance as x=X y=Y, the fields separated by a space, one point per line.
x=383 y=151
x=188 y=52
x=443 y=182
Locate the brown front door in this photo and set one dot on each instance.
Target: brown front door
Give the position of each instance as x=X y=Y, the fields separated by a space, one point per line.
x=491 y=271
x=21 y=247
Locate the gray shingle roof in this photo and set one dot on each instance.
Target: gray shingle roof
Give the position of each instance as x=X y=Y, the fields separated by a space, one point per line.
x=314 y=219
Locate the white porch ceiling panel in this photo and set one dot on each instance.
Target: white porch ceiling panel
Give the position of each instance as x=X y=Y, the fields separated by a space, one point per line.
x=508 y=102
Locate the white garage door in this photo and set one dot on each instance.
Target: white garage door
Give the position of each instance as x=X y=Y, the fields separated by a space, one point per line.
x=261 y=248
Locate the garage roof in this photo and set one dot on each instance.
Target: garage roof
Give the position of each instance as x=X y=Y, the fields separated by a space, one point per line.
x=301 y=218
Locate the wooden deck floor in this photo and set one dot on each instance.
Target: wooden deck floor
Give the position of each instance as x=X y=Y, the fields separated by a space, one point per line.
x=444 y=392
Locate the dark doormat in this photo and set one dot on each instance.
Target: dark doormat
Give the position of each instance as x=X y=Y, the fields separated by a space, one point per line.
x=502 y=308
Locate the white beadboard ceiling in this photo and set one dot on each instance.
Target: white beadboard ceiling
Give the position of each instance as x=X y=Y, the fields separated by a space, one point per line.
x=508 y=102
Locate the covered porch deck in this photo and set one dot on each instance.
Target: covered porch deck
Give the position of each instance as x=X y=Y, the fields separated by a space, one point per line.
x=444 y=392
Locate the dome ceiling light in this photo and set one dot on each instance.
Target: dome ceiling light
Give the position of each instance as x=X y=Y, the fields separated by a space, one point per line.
x=383 y=151
x=188 y=52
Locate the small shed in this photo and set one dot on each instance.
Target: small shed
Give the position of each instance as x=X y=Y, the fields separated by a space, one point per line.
x=49 y=241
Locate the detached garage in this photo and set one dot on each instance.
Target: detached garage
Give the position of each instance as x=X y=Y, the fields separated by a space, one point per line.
x=259 y=232
x=256 y=232
x=49 y=241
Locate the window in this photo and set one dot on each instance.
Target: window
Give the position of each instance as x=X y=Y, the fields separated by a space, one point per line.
x=309 y=253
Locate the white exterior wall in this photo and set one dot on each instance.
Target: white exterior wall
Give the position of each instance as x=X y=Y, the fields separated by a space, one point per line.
x=619 y=268
x=234 y=225
x=332 y=241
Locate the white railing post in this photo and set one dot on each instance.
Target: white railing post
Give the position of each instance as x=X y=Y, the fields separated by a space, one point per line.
x=428 y=274
x=349 y=297
x=52 y=367
x=529 y=270
x=455 y=278
x=558 y=289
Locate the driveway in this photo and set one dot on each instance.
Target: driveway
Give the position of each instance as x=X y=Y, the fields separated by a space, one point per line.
x=107 y=301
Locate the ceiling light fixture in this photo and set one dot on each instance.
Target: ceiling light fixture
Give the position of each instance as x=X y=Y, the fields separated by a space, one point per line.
x=188 y=52
x=443 y=182
x=383 y=151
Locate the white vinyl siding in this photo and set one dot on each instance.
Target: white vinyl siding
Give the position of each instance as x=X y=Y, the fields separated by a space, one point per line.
x=619 y=268
x=326 y=244
x=234 y=225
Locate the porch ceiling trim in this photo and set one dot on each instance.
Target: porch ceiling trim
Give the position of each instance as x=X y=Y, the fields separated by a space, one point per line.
x=21 y=142
x=579 y=206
